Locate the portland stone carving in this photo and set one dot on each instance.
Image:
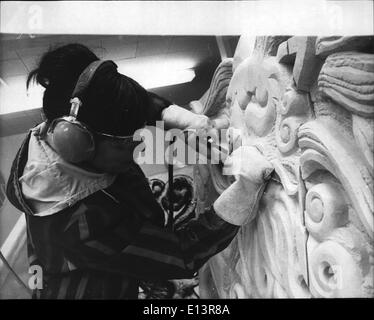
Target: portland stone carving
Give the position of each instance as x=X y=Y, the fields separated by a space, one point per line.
x=308 y=104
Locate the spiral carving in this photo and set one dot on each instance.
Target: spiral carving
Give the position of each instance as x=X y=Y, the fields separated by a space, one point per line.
x=326 y=209
x=334 y=272
x=293 y=112
x=286 y=135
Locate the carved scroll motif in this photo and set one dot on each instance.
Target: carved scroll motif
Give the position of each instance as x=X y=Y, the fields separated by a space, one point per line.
x=336 y=163
x=348 y=79
x=309 y=106
x=332 y=44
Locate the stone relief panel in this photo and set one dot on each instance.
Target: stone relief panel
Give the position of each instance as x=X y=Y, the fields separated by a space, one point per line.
x=308 y=104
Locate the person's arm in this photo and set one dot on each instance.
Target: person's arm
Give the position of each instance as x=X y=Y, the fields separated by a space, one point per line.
x=173 y=115
x=153 y=252
x=180 y=118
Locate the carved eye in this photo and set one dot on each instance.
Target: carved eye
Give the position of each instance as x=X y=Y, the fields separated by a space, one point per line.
x=261 y=96
x=244 y=98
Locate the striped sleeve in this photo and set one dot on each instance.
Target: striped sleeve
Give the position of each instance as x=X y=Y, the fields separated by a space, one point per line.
x=155 y=252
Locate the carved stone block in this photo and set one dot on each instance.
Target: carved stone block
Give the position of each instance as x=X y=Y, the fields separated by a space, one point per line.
x=300 y=51
x=310 y=109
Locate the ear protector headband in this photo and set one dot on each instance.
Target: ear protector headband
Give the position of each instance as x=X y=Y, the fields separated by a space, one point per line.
x=70 y=138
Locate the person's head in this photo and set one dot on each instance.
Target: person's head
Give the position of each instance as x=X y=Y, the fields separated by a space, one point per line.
x=112 y=104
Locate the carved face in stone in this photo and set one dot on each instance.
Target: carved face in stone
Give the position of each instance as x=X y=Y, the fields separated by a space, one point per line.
x=255 y=89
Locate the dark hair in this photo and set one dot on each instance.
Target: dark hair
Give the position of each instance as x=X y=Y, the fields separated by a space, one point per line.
x=113 y=103
x=58 y=72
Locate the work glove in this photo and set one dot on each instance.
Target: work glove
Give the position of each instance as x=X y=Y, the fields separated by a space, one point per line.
x=238 y=204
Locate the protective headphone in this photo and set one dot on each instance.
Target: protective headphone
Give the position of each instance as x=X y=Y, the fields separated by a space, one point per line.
x=70 y=138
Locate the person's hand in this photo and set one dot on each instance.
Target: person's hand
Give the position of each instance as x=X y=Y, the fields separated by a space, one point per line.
x=204 y=127
x=181 y=118
x=247 y=163
x=238 y=204
x=200 y=122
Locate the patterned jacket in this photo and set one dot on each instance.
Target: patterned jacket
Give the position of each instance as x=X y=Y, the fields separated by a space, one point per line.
x=101 y=246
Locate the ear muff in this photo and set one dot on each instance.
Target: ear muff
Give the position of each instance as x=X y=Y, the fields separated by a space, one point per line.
x=73 y=142
x=70 y=138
